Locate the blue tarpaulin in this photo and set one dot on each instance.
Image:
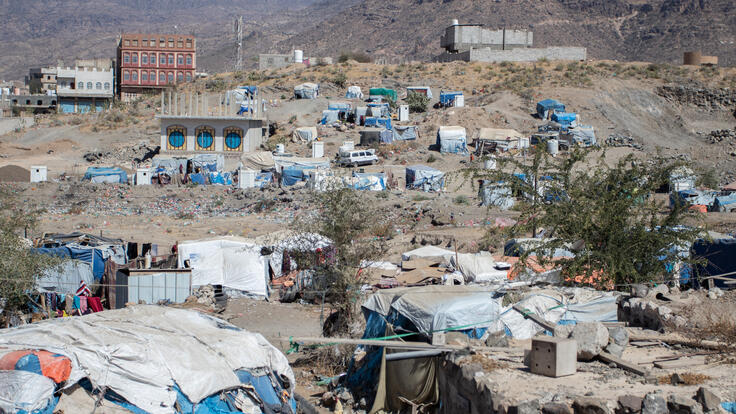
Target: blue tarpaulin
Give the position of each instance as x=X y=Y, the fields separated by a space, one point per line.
x=565 y=119
x=85 y=254
x=106 y=175
x=221 y=179
x=725 y=203
x=425 y=178
x=197 y=178
x=293 y=175
x=549 y=106
x=448 y=98
x=713 y=258
x=377 y=122
x=405 y=133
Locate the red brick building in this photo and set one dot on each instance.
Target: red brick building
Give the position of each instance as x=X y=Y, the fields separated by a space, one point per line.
x=147 y=62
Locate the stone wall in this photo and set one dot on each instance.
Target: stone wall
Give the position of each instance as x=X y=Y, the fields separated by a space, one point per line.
x=516 y=55
x=8 y=125
x=710 y=98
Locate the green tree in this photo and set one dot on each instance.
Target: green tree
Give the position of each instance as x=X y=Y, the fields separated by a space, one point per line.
x=340 y=79
x=19 y=266
x=605 y=215
x=417 y=102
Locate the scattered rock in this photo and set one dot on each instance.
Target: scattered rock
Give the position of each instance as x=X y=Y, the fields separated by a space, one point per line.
x=639 y=290
x=654 y=404
x=615 y=349
x=619 y=335
x=709 y=400
x=629 y=404
x=498 y=339
x=526 y=407
x=557 y=408
x=328 y=399
x=563 y=331
x=591 y=337
x=346 y=397
x=679 y=404
x=587 y=405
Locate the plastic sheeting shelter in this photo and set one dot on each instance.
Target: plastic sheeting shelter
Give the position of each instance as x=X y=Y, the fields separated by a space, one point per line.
x=428 y=252
x=713 y=258
x=354 y=92
x=65 y=280
x=405 y=133
x=294 y=174
x=306 y=91
x=693 y=197
x=725 y=204
x=307 y=134
x=565 y=119
x=329 y=117
x=106 y=175
x=152 y=359
x=424 y=178
x=232 y=263
x=368 y=181
x=582 y=136
x=681 y=179
x=378 y=122
x=375 y=136
x=450 y=98
x=259 y=161
x=280 y=163
x=383 y=92
x=452 y=139
x=497 y=195
x=424 y=90
x=505 y=139
x=378 y=110
x=547 y=107
x=90 y=255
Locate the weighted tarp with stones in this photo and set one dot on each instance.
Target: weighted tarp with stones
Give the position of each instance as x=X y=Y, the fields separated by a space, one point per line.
x=304 y=134
x=153 y=359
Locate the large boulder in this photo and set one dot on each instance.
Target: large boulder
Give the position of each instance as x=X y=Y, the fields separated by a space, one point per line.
x=654 y=403
x=629 y=404
x=708 y=399
x=587 y=405
x=591 y=338
x=679 y=404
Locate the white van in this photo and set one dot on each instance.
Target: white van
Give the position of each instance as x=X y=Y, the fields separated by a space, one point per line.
x=355 y=158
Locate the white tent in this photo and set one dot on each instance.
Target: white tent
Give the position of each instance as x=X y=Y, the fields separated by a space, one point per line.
x=354 y=92
x=231 y=262
x=307 y=134
x=452 y=139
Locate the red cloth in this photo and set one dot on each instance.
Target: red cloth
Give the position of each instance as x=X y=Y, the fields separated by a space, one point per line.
x=94 y=303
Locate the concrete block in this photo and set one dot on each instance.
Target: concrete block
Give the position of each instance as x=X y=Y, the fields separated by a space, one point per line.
x=439 y=338
x=591 y=338
x=553 y=357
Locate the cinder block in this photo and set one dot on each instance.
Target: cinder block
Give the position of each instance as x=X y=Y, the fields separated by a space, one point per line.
x=553 y=357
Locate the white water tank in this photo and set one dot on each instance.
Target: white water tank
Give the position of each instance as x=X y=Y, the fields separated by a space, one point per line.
x=318 y=149
x=348 y=145
x=490 y=163
x=298 y=56
x=143 y=176
x=39 y=173
x=404 y=113
x=553 y=147
x=455 y=22
x=280 y=148
x=246 y=178
x=459 y=101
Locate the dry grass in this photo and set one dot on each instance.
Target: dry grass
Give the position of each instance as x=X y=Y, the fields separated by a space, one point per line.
x=487 y=363
x=686 y=378
x=326 y=361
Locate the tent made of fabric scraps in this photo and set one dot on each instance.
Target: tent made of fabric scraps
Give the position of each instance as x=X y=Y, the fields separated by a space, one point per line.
x=304 y=242
x=106 y=175
x=354 y=92
x=259 y=160
x=304 y=134
x=378 y=122
x=66 y=278
x=306 y=91
x=424 y=178
x=452 y=139
x=405 y=133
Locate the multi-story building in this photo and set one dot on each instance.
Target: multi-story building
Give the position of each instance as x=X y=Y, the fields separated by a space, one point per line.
x=84 y=89
x=41 y=80
x=149 y=62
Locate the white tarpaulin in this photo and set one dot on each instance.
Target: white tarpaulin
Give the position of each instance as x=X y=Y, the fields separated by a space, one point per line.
x=428 y=252
x=23 y=390
x=143 y=352
x=284 y=162
x=478 y=267
x=307 y=134
x=260 y=160
x=233 y=263
x=354 y=92
x=66 y=278
x=305 y=242
x=452 y=139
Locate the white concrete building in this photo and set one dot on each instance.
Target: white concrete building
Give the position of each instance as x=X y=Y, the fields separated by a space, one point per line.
x=84 y=89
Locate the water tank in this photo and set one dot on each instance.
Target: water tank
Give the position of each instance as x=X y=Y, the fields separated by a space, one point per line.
x=280 y=148
x=553 y=146
x=246 y=178
x=348 y=145
x=298 y=56
x=455 y=22
x=318 y=149
x=490 y=163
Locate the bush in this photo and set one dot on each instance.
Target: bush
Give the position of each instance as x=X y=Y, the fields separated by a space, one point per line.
x=359 y=57
x=461 y=199
x=431 y=158
x=417 y=102
x=340 y=80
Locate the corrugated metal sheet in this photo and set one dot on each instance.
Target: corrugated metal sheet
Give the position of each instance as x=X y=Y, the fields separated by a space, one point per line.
x=151 y=288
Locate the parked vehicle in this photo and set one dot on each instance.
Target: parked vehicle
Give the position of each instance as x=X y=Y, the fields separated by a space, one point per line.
x=358 y=157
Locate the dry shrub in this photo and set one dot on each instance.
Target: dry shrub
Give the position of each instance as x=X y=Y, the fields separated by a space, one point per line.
x=487 y=363
x=687 y=378
x=326 y=361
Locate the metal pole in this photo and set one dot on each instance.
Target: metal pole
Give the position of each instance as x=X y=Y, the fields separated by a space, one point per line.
x=162 y=103
x=398 y=356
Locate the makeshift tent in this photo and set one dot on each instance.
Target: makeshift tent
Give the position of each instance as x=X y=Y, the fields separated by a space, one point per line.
x=169 y=165
x=26 y=392
x=368 y=181
x=220 y=178
x=405 y=133
x=304 y=242
x=281 y=162
x=354 y=92
x=294 y=174
x=694 y=197
x=340 y=106
x=156 y=360
x=547 y=107
x=361 y=113
x=106 y=175
x=477 y=267
x=424 y=178
x=378 y=122
x=306 y=91
x=428 y=252
x=581 y=135
x=504 y=139
x=379 y=110
x=259 y=161
x=424 y=90
x=374 y=136
x=565 y=119
x=496 y=194
x=450 y=98
x=329 y=117
x=90 y=255
x=307 y=134
x=230 y=262
x=725 y=204
x=714 y=258
x=682 y=178
x=65 y=279
x=452 y=139
x=383 y=92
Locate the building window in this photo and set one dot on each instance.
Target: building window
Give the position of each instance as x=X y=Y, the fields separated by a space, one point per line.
x=144 y=76
x=134 y=76
x=107 y=86
x=180 y=44
x=98 y=86
x=233 y=138
x=171 y=59
x=162 y=42
x=176 y=137
x=144 y=42
x=189 y=60
x=144 y=58
x=171 y=42
x=126 y=76
x=180 y=77
x=162 y=59
x=205 y=138
x=171 y=77
x=153 y=59
x=189 y=76
x=161 y=78
x=189 y=43
x=127 y=42
x=126 y=58
x=135 y=42
x=180 y=60
x=134 y=57
x=89 y=85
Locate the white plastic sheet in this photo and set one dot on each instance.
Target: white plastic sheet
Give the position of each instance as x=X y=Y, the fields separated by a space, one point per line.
x=478 y=267
x=23 y=390
x=428 y=252
x=66 y=278
x=141 y=352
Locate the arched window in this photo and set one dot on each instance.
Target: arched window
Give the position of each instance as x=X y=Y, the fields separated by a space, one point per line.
x=144 y=76
x=180 y=60
x=171 y=59
x=177 y=137
x=189 y=76
x=233 y=138
x=144 y=58
x=134 y=76
x=89 y=85
x=161 y=77
x=134 y=57
x=80 y=85
x=98 y=86
x=189 y=60
x=126 y=57
x=107 y=86
x=205 y=138
x=171 y=77
x=180 y=77
x=153 y=59
x=162 y=59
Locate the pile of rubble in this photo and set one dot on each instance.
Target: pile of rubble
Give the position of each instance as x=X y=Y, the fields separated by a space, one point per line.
x=209 y=296
x=621 y=140
x=138 y=153
x=721 y=135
